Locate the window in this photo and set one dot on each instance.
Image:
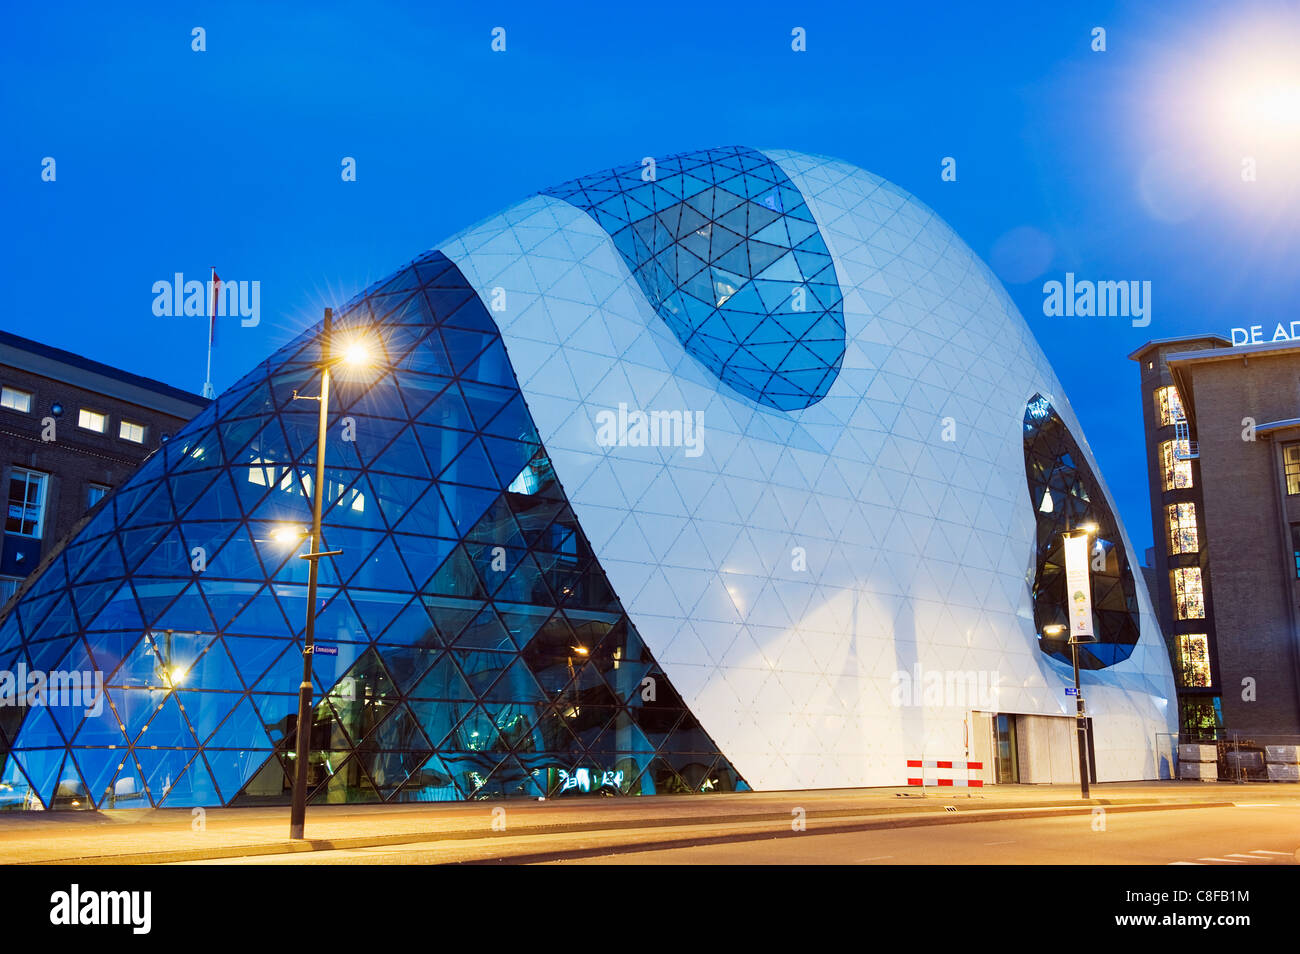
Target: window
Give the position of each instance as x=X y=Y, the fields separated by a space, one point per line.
x=26 y=512
x=1291 y=465
x=16 y=400
x=130 y=431
x=94 y=494
x=1189 y=600
x=8 y=587
x=1168 y=406
x=1178 y=473
x=92 y=420
x=1194 y=656
x=1182 y=528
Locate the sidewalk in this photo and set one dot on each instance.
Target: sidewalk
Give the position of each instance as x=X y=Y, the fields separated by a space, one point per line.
x=167 y=835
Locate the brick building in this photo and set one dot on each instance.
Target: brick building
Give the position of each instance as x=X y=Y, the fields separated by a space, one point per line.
x=71 y=429
x=1222 y=427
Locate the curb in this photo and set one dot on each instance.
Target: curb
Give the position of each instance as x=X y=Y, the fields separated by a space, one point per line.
x=866 y=822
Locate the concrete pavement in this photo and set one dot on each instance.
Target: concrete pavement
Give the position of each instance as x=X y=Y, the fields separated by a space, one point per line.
x=163 y=835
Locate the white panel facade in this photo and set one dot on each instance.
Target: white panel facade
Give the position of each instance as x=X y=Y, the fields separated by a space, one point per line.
x=786 y=574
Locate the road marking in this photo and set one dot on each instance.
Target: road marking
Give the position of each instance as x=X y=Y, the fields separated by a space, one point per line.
x=1224 y=861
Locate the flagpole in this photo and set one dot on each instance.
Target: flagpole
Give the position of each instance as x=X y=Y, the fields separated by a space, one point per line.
x=208 y=391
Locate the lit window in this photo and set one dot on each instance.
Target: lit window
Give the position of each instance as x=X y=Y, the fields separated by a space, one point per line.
x=1194 y=655
x=94 y=494
x=1178 y=473
x=16 y=400
x=92 y=420
x=1295 y=545
x=1291 y=463
x=1182 y=528
x=1168 y=406
x=26 y=513
x=1189 y=599
x=130 y=431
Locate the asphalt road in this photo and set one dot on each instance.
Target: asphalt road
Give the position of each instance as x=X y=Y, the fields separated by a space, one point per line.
x=1197 y=836
x=1247 y=834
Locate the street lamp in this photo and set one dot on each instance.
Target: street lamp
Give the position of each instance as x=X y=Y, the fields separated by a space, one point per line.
x=1079 y=611
x=356 y=353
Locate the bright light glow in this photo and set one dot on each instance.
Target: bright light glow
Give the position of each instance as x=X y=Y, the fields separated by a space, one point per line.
x=357 y=353
x=1088 y=527
x=178 y=675
x=580 y=650
x=1053 y=629
x=1260 y=96
x=287 y=535
x=1276 y=103
x=1219 y=117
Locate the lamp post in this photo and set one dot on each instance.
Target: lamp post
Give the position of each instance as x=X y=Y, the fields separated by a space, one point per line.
x=355 y=354
x=1082 y=608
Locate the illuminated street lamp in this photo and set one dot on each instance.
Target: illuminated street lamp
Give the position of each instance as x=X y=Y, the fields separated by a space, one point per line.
x=355 y=353
x=1078 y=598
x=287 y=535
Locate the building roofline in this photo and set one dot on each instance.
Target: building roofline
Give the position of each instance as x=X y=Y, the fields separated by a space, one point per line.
x=54 y=363
x=1278 y=425
x=1235 y=351
x=1181 y=362
x=1156 y=342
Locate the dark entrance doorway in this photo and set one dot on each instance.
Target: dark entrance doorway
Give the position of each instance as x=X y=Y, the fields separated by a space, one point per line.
x=1005 y=759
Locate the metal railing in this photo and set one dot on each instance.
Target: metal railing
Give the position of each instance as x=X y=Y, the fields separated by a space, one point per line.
x=1184 y=447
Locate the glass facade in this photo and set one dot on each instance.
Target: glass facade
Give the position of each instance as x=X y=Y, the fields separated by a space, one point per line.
x=1057 y=471
x=487 y=632
x=468 y=642
x=727 y=252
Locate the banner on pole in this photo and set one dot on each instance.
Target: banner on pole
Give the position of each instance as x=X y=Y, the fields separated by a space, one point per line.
x=1078 y=590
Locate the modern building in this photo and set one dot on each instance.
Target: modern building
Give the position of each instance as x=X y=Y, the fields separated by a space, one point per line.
x=730 y=469
x=1223 y=449
x=71 y=430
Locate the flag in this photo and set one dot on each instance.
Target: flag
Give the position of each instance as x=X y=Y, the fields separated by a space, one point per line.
x=212 y=319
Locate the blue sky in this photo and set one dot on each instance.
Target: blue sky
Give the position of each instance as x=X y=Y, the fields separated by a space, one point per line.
x=1116 y=165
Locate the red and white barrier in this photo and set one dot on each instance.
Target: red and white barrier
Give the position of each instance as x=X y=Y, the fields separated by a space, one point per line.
x=948 y=766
